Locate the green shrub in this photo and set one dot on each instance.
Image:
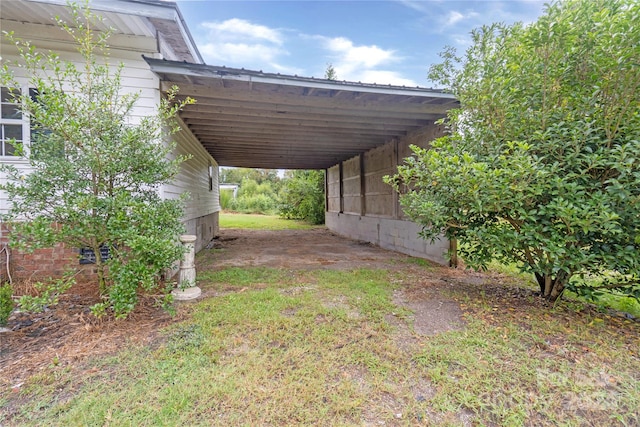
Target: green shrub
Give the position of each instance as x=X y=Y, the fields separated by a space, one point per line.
x=258 y=203
x=303 y=196
x=226 y=197
x=48 y=294
x=6 y=303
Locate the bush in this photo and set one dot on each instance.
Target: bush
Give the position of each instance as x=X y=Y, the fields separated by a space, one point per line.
x=48 y=294
x=303 y=196
x=6 y=303
x=257 y=203
x=226 y=198
x=95 y=174
x=541 y=165
x=255 y=198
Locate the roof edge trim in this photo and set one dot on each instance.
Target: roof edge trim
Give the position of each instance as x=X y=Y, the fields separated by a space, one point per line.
x=163 y=66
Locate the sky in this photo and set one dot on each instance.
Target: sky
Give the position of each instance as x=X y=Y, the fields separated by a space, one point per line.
x=383 y=42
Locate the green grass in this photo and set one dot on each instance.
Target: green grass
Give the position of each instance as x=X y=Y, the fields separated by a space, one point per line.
x=263 y=222
x=277 y=347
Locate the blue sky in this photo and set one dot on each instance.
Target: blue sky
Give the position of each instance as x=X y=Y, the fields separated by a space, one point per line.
x=384 y=42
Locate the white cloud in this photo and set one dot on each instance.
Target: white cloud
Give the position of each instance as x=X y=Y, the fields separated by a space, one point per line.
x=420 y=6
x=244 y=44
x=239 y=52
x=367 y=56
x=240 y=28
x=454 y=16
x=386 y=77
x=240 y=43
x=363 y=63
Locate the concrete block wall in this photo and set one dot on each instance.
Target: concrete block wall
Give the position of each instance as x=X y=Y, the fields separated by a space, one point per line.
x=393 y=234
x=204 y=228
x=362 y=207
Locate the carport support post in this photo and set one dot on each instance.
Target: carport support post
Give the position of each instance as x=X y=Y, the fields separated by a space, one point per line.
x=187 y=288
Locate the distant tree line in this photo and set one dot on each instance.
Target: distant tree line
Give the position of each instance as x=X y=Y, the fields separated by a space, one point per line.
x=297 y=195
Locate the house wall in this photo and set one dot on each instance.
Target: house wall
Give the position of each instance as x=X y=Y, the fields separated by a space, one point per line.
x=361 y=206
x=201 y=207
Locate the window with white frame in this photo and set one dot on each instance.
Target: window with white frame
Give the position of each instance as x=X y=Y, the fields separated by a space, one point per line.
x=15 y=128
x=12 y=125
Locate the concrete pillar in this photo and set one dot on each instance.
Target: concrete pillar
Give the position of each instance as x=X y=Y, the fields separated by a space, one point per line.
x=187 y=288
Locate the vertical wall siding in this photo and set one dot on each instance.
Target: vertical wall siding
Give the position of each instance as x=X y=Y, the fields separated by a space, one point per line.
x=333 y=189
x=371 y=211
x=351 y=186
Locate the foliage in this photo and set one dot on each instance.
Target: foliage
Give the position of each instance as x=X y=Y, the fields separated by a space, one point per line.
x=303 y=196
x=258 y=191
x=541 y=164
x=48 y=294
x=330 y=73
x=6 y=303
x=237 y=175
x=254 y=197
x=96 y=170
x=226 y=197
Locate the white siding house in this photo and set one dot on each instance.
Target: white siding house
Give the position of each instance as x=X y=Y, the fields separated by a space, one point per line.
x=153 y=29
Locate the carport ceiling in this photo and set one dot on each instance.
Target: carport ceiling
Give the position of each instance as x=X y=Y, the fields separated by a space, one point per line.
x=260 y=120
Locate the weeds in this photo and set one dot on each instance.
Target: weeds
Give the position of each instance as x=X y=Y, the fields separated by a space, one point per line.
x=315 y=347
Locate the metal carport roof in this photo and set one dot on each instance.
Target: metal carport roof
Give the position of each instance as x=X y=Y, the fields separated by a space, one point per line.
x=254 y=119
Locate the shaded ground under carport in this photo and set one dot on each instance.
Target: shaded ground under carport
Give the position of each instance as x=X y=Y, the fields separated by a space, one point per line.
x=296 y=249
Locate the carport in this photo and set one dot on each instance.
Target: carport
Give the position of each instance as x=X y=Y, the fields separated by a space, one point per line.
x=357 y=132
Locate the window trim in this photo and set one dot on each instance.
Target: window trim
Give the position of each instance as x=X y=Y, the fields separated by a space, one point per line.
x=26 y=133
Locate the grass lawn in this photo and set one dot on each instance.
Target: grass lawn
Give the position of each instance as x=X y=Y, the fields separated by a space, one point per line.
x=263 y=222
x=285 y=347
x=278 y=347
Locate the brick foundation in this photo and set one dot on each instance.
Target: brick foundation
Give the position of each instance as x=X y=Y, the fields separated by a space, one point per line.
x=41 y=263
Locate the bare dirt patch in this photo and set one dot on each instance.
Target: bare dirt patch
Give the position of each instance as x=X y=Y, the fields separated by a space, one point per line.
x=432 y=312
x=294 y=249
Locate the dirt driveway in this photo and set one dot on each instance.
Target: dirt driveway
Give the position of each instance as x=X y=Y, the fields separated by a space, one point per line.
x=295 y=249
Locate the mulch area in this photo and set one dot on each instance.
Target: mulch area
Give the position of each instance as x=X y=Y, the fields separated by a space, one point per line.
x=67 y=335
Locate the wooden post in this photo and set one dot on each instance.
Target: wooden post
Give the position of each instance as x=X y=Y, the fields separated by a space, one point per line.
x=363 y=188
x=395 y=195
x=341 y=177
x=326 y=190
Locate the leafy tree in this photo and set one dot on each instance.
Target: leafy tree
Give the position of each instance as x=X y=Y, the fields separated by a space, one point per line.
x=95 y=173
x=236 y=175
x=330 y=73
x=303 y=196
x=541 y=164
x=255 y=198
